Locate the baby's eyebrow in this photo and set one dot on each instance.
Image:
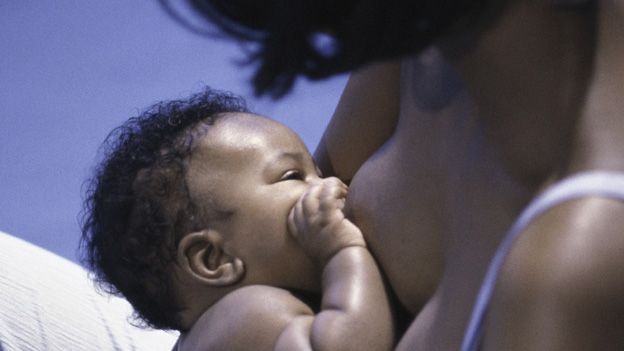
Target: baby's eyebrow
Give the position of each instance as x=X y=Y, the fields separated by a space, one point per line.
x=297 y=156
x=285 y=156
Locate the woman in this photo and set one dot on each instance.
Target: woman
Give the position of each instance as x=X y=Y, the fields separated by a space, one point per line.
x=511 y=101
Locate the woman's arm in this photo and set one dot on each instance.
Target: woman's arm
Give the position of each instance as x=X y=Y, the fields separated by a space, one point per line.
x=364 y=119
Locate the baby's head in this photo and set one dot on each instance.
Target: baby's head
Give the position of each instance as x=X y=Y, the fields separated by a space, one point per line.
x=191 y=202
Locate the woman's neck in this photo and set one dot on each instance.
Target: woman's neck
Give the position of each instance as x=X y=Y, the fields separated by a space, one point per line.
x=528 y=75
x=599 y=140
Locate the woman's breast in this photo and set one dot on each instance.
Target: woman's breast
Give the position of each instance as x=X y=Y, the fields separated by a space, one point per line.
x=392 y=200
x=421 y=196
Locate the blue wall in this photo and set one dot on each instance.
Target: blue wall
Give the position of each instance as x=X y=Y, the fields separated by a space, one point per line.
x=70 y=71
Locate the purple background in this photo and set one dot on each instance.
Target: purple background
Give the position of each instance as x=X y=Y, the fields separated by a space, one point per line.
x=70 y=71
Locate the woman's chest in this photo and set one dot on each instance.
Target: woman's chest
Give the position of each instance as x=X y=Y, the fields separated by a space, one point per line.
x=432 y=201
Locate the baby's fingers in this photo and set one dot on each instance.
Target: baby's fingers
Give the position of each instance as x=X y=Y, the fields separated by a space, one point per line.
x=333 y=196
x=303 y=211
x=309 y=202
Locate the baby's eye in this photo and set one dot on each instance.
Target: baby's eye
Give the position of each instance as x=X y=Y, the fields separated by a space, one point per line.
x=293 y=174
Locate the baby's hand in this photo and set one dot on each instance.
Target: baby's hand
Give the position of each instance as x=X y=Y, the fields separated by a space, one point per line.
x=318 y=223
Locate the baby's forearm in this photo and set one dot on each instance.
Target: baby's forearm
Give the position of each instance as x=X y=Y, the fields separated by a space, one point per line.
x=355 y=312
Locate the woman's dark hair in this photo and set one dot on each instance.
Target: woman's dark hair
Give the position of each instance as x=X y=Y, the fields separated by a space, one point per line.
x=319 y=38
x=137 y=205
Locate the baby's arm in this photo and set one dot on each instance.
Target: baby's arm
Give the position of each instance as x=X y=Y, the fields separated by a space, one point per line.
x=355 y=312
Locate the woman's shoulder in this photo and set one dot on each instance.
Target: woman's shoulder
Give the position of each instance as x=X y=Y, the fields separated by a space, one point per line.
x=563 y=278
x=572 y=240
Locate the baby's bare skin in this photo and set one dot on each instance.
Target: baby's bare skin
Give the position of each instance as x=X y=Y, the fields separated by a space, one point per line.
x=354 y=313
x=279 y=203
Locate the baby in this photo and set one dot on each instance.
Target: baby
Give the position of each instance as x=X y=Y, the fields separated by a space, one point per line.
x=216 y=222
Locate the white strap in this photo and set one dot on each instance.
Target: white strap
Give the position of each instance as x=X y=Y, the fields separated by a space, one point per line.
x=597 y=183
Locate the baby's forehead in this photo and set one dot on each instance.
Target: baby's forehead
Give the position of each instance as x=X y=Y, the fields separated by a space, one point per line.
x=241 y=136
x=240 y=130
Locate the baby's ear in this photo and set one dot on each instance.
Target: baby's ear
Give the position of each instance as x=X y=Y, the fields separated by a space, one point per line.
x=202 y=258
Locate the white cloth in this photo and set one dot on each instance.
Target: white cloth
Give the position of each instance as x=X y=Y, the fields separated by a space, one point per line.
x=49 y=303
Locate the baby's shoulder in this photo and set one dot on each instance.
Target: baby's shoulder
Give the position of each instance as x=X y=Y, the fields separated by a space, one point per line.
x=259 y=300
x=249 y=318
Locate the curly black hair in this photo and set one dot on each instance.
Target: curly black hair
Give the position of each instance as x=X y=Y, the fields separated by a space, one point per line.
x=320 y=38
x=137 y=206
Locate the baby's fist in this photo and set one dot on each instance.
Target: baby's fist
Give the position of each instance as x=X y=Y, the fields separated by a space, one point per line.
x=319 y=224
